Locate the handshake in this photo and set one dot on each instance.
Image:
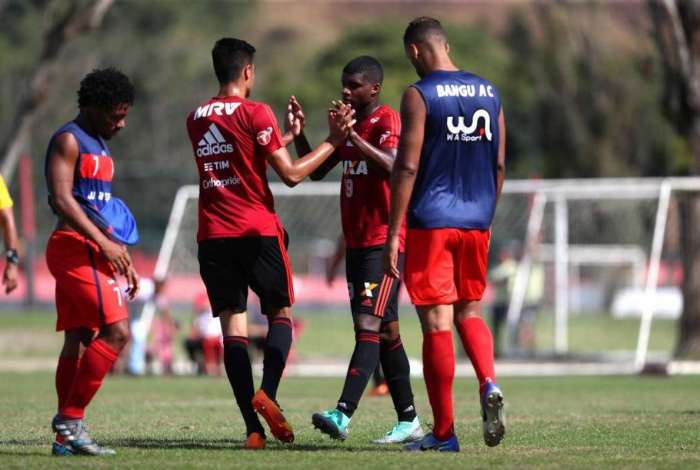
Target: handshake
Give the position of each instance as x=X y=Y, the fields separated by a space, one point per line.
x=341 y=118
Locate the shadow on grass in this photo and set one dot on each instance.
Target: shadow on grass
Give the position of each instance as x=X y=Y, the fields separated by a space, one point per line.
x=26 y=443
x=235 y=444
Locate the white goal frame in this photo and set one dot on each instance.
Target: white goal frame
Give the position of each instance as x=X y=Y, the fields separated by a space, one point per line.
x=558 y=192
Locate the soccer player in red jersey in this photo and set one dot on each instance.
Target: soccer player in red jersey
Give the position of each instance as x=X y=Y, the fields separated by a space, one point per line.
x=367 y=158
x=242 y=243
x=446 y=181
x=86 y=251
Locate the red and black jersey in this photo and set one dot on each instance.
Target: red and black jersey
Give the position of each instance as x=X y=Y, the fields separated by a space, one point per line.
x=364 y=194
x=231 y=138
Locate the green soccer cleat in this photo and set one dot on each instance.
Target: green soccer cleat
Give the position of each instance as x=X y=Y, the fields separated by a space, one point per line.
x=402 y=433
x=333 y=423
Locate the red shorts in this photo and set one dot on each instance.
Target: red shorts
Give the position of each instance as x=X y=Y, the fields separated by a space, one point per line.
x=446 y=265
x=87 y=293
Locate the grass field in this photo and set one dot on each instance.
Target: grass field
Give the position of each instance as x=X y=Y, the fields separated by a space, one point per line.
x=31 y=334
x=182 y=422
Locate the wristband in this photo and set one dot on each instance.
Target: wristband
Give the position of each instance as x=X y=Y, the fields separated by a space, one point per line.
x=11 y=256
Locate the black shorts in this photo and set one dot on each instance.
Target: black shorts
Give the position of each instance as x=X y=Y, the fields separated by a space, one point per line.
x=371 y=291
x=229 y=266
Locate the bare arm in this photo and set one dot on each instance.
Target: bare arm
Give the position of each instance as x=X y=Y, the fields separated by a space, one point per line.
x=295 y=113
x=501 y=162
x=292 y=172
x=324 y=169
x=9 y=235
x=334 y=260
x=9 y=229
x=383 y=158
x=303 y=147
x=403 y=176
x=63 y=157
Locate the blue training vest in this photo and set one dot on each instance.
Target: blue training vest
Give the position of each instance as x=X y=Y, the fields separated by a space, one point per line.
x=92 y=186
x=456 y=182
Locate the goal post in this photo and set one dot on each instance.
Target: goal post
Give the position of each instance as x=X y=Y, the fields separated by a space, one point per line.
x=602 y=248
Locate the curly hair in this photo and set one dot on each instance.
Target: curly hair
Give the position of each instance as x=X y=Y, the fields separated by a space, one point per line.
x=105 y=89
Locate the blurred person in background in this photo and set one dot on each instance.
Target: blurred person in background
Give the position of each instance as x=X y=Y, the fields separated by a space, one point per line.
x=503 y=277
x=204 y=341
x=163 y=332
x=143 y=309
x=9 y=236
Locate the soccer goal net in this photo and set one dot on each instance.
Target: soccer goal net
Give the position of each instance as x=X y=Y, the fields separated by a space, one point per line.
x=581 y=272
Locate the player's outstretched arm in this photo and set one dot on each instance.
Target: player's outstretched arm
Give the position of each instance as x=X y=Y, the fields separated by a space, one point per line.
x=501 y=162
x=62 y=159
x=9 y=235
x=292 y=172
x=403 y=176
x=301 y=143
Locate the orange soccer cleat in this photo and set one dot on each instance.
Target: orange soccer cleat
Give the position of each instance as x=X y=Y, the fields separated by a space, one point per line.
x=271 y=412
x=255 y=441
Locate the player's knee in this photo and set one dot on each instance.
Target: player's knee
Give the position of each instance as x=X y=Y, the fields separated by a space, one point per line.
x=117 y=334
x=389 y=332
x=367 y=323
x=73 y=339
x=461 y=316
x=283 y=312
x=467 y=309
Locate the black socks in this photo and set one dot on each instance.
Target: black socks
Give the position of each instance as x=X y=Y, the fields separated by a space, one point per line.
x=279 y=340
x=240 y=376
x=398 y=376
x=362 y=364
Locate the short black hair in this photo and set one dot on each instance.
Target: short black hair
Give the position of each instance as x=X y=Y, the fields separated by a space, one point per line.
x=105 y=89
x=230 y=56
x=366 y=65
x=420 y=29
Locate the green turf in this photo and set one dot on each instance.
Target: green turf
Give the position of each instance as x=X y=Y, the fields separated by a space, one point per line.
x=587 y=422
x=325 y=334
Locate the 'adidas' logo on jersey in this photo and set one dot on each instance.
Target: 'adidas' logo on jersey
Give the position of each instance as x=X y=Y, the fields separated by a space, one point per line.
x=213 y=143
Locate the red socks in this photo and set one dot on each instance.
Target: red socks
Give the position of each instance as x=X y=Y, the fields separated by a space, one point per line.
x=97 y=360
x=439 y=373
x=478 y=343
x=65 y=374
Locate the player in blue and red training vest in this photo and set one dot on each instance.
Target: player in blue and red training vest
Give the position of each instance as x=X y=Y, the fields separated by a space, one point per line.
x=446 y=180
x=86 y=251
x=242 y=243
x=367 y=159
